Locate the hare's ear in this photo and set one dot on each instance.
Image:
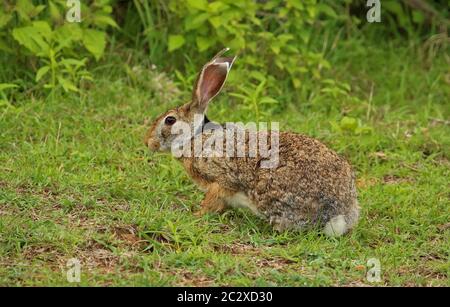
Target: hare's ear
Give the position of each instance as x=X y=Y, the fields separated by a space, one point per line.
x=211 y=80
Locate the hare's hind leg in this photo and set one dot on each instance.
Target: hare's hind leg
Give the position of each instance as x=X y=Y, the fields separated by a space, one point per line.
x=214 y=200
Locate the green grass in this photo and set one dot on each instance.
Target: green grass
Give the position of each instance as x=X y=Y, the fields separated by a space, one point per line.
x=76 y=181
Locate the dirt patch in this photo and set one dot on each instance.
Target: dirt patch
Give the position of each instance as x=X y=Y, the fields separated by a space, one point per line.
x=422 y=269
x=363 y=183
x=258 y=257
x=379 y=155
x=129 y=236
x=277 y=263
x=74 y=215
x=42 y=253
x=189 y=279
x=444 y=227
x=96 y=257
x=236 y=249
x=393 y=179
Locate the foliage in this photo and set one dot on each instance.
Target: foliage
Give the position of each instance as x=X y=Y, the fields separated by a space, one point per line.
x=272 y=37
x=282 y=44
x=61 y=47
x=275 y=39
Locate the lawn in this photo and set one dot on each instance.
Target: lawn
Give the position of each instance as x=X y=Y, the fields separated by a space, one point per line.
x=76 y=181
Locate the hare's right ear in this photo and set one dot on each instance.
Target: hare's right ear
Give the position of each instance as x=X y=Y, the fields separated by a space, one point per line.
x=210 y=81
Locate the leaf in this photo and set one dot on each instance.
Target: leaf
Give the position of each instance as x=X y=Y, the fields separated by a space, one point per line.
x=258 y=75
x=175 y=42
x=349 y=123
x=268 y=100
x=418 y=17
x=95 y=42
x=217 y=7
x=24 y=8
x=41 y=72
x=203 y=43
x=4 y=86
x=237 y=43
x=279 y=63
x=67 y=85
x=198 y=4
x=237 y=95
x=68 y=32
x=216 y=21
x=284 y=38
x=4 y=102
x=5 y=46
x=4 y=18
x=31 y=38
x=275 y=48
x=43 y=28
x=73 y=62
x=327 y=10
x=38 y=9
x=105 y=20
x=54 y=11
x=106 y=8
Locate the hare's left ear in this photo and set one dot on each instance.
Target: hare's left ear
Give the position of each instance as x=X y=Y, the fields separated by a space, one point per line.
x=211 y=80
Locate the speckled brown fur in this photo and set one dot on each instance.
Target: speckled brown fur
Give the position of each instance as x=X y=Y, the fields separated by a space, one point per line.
x=310 y=185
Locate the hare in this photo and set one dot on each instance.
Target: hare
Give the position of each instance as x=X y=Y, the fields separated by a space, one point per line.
x=311 y=186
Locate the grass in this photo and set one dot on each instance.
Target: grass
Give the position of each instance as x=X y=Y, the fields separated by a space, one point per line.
x=76 y=181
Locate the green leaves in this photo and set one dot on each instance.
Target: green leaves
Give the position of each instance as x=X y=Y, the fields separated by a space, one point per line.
x=274 y=35
x=40 y=30
x=204 y=43
x=4 y=18
x=34 y=37
x=27 y=10
x=67 y=85
x=351 y=125
x=3 y=98
x=105 y=21
x=4 y=86
x=44 y=43
x=41 y=72
x=95 y=42
x=198 y=4
x=175 y=42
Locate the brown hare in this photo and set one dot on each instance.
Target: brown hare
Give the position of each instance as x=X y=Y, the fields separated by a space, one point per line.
x=311 y=186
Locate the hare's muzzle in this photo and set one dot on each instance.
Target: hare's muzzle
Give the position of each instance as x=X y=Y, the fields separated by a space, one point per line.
x=153 y=145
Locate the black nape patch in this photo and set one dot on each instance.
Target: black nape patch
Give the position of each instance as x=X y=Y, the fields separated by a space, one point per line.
x=205 y=120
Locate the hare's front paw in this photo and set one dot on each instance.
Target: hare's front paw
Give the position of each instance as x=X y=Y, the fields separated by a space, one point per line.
x=209 y=205
x=214 y=200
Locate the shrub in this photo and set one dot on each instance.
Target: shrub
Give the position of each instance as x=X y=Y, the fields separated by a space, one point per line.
x=58 y=50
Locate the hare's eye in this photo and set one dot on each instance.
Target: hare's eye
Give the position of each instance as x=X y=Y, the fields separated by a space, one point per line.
x=170 y=120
